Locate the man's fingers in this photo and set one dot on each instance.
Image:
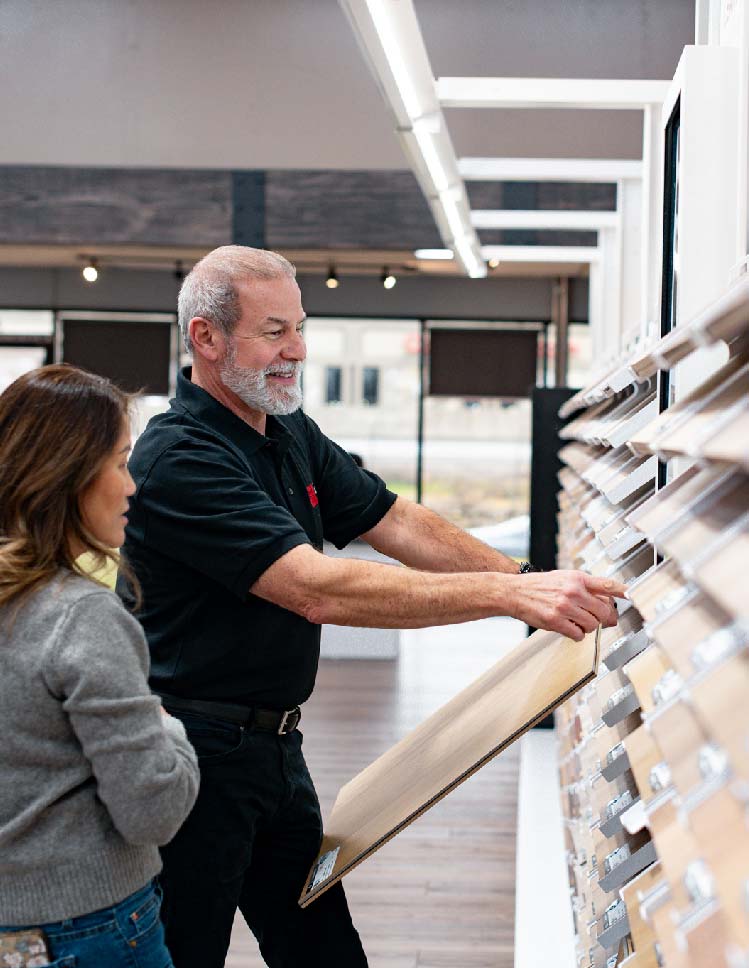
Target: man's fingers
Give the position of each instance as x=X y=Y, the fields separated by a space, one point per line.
x=610 y=616
x=605 y=586
x=572 y=631
x=584 y=619
x=600 y=608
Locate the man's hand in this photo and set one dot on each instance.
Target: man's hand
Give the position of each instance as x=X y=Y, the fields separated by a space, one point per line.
x=569 y=602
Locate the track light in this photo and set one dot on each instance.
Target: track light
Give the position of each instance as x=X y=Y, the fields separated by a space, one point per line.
x=434 y=254
x=332 y=281
x=387 y=278
x=90 y=271
x=493 y=263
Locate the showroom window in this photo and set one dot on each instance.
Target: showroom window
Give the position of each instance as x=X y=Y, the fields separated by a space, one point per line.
x=333 y=384
x=371 y=385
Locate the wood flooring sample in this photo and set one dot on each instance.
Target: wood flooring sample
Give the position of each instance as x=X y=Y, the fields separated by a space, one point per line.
x=524 y=686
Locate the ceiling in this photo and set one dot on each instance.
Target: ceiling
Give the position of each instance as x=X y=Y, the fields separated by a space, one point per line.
x=282 y=84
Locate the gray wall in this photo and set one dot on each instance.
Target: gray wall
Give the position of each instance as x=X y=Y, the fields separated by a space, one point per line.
x=119 y=289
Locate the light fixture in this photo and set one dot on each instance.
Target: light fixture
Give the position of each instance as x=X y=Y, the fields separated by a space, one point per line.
x=90 y=271
x=493 y=263
x=434 y=254
x=389 y=33
x=332 y=281
x=387 y=278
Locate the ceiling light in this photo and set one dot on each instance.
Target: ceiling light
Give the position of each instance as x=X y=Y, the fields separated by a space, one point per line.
x=90 y=272
x=387 y=278
x=453 y=216
x=434 y=253
x=474 y=265
x=493 y=263
x=394 y=55
x=424 y=135
x=332 y=281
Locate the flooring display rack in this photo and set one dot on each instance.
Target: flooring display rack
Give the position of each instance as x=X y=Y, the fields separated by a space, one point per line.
x=654 y=753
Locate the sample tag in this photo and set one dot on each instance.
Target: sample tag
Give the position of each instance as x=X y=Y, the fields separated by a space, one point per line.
x=323 y=868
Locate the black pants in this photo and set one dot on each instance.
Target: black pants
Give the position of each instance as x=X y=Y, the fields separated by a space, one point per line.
x=249 y=844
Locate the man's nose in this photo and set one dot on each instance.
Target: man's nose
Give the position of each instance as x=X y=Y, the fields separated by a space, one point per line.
x=296 y=348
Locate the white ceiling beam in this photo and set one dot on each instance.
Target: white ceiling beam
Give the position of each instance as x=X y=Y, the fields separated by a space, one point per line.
x=389 y=35
x=543 y=219
x=548 y=169
x=541 y=253
x=551 y=92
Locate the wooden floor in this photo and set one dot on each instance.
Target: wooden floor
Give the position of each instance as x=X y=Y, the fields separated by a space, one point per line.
x=442 y=893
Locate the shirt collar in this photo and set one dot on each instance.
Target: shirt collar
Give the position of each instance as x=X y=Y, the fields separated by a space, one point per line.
x=207 y=409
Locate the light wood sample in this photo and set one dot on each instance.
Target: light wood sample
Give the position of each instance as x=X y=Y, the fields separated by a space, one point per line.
x=657 y=585
x=463 y=735
x=679 y=631
x=722 y=573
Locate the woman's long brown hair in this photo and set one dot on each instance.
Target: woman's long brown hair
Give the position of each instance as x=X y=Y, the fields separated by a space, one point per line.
x=58 y=425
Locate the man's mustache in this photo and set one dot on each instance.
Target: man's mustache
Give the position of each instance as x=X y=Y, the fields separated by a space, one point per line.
x=292 y=369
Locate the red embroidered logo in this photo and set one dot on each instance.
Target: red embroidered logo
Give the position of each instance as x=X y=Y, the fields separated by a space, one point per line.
x=312 y=495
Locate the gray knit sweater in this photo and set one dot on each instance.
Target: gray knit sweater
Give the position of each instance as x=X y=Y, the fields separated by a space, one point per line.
x=92 y=776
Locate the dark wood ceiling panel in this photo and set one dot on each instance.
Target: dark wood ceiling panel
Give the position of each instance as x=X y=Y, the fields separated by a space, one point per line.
x=73 y=206
x=536 y=237
x=347 y=209
x=552 y=196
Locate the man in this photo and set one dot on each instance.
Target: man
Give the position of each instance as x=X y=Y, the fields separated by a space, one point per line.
x=236 y=489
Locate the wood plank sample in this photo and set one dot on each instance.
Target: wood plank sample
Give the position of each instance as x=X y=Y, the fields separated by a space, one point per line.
x=643 y=936
x=721 y=507
x=659 y=585
x=643 y=756
x=443 y=751
x=720 y=701
x=670 y=501
x=679 y=631
x=722 y=573
x=719 y=827
x=644 y=671
x=706 y=413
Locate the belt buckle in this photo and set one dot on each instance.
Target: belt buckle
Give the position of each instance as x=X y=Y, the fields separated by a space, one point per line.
x=287 y=716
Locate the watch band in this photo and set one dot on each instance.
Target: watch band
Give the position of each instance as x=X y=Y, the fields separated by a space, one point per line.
x=526 y=567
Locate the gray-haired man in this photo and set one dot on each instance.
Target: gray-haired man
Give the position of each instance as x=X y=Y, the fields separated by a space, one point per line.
x=236 y=489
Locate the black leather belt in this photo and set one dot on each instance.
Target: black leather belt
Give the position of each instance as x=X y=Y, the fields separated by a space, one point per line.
x=267 y=720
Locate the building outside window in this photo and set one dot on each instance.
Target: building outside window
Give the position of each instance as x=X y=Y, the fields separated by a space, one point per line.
x=371 y=385
x=333 y=384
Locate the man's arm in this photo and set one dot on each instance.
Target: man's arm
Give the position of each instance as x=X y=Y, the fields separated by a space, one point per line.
x=419 y=538
x=341 y=591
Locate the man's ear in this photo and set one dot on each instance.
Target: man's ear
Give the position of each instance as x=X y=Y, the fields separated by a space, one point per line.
x=206 y=339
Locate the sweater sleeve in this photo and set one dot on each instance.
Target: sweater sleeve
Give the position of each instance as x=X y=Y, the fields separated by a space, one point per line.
x=145 y=769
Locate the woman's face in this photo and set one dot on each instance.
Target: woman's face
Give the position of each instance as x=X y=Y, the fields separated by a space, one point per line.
x=104 y=504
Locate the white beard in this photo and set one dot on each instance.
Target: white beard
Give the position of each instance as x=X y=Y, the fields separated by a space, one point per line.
x=252 y=387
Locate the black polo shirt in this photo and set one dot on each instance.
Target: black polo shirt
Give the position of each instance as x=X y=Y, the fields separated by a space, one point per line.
x=216 y=504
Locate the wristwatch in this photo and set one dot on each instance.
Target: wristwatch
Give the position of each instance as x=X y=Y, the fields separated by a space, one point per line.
x=526 y=567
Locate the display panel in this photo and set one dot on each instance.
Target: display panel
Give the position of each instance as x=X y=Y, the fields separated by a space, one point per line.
x=482 y=362
x=134 y=355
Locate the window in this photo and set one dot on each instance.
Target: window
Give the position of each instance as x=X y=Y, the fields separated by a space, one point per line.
x=333 y=384
x=371 y=385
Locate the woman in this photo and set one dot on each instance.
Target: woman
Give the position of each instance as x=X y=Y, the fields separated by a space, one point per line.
x=93 y=774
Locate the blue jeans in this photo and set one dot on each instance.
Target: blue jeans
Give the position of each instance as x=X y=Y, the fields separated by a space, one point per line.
x=126 y=935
